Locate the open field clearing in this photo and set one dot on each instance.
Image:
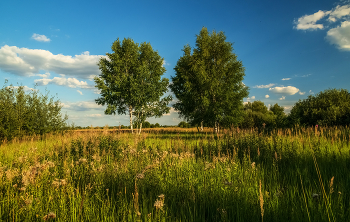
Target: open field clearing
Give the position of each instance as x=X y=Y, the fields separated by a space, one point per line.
x=173 y=175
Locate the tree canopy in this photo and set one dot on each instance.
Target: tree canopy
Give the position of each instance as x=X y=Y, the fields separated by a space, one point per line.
x=328 y=108
x=208 y=82
x=130 y=81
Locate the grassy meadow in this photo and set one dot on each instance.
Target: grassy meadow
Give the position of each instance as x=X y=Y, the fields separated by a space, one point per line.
x=178 y=175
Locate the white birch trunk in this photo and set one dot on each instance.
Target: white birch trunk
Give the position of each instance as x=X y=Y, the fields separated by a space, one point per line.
x=130 y=113
x=140 y=128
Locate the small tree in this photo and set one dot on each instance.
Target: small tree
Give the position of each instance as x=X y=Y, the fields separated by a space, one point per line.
x=208 y=82
x=130 y=81
x=28 y=113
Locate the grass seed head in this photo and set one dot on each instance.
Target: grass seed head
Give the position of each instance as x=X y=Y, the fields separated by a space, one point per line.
x=49 y=216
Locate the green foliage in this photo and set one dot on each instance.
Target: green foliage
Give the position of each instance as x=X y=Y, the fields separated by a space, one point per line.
x=28 y=114
x=208 y=82
x=183 y=124
x=130 y=81
x=257 y=115
x=328 y=108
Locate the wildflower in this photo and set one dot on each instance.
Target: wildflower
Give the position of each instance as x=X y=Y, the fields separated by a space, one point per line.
x=49 y=216
x=316 y=126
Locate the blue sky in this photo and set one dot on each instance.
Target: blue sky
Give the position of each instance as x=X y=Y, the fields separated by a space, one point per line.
x=290 y=49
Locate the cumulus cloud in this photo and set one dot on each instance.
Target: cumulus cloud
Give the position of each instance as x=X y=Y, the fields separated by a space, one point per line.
x=301 y=93
x=286 y=79
x=267 y=96
x=264 y=86
x=28 y=62
x=40 y=38
x=289 y=90
x=339 y=12
x=340 y=36
x=338 y=33
x=62 y=81
x=79 y=92
x=283 y=98
x=253 y=97
x=309 y=21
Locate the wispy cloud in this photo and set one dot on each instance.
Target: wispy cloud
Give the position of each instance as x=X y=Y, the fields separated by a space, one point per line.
x=283 y=98
x=83 y=106
x=307 y=22
x=79 y=92
x=93 y=115
x=301 y=93
x=264 y=86
x=40 y=38
x=289 y=90
x=284 y=79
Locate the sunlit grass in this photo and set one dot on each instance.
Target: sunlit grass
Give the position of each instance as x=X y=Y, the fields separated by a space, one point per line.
x=178 y=175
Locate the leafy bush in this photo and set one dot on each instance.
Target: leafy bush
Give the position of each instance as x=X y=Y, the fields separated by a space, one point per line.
x=28 y=114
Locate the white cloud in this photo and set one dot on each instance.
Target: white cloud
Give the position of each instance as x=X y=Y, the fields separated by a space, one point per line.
x=340 y=36
x=267 y=96
x=301 y=93
x=287 y=109
x=47 y=74
x=283 y=98
x=79 y=92
x=172 y=110
x=339 y=12
x=82 y=106
x=264 y=86
x=253 y=97
x=311 y=92
x=309 y=21
x=28 y=62
x=289 y=90
x=62 y=81
x=40 y=38
x=286 y=79
x=307 y=75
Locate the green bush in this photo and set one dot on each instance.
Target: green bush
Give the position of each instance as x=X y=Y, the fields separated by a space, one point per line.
x=28 y=114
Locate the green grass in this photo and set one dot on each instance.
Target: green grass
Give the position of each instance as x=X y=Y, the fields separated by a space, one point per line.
x=101 y=176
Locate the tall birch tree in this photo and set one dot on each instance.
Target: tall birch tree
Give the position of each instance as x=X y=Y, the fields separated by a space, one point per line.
x=130 y=81
x=208 y=82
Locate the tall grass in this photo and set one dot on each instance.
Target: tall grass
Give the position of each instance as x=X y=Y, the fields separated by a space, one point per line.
x=282 y=175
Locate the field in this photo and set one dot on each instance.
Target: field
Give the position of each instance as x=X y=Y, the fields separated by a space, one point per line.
x=178 y=175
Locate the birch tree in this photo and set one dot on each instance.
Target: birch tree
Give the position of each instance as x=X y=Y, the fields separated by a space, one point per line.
x=208 y=82
x=130 y=81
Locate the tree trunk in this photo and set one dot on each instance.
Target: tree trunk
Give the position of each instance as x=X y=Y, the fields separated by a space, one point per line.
x=202 y=126
x=130 y=113
x=140 y=128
